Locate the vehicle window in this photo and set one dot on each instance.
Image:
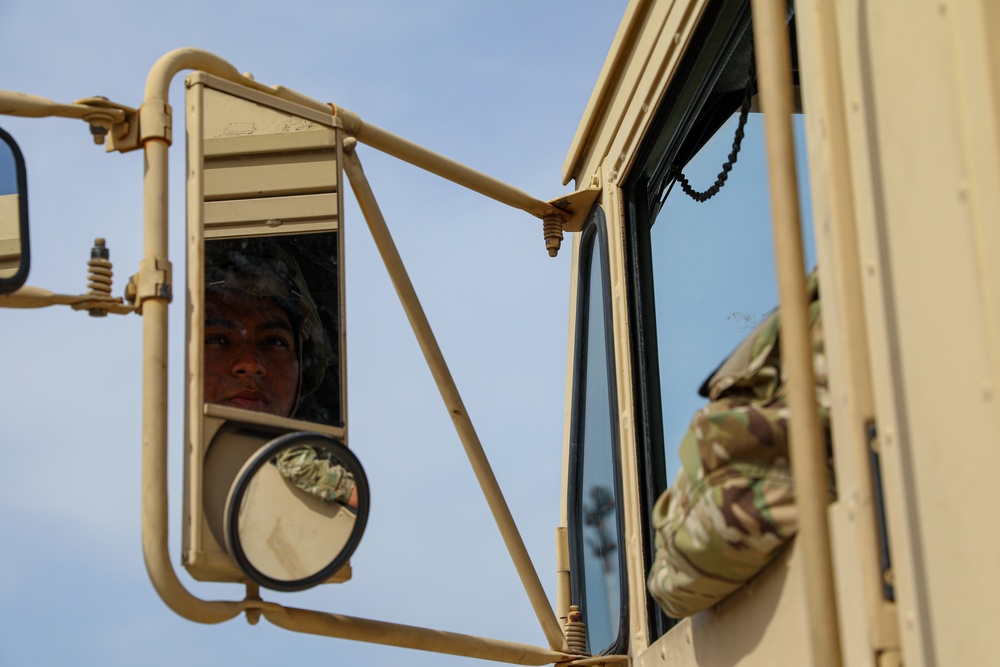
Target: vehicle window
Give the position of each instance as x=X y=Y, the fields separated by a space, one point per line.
x=700 y=275
x=713 y=270
x=594 y=524
x=704 y=278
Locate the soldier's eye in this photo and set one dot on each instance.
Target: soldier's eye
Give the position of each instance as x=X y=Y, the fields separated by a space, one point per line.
x=277 y=341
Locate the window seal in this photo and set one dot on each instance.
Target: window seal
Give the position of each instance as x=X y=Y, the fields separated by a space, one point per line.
x=594 y=238
x=685 y=118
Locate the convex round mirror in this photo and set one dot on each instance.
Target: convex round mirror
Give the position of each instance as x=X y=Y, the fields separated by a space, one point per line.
x=296 y=511
x=14 y=255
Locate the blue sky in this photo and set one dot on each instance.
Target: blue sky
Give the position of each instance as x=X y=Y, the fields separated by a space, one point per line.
x=498 y=86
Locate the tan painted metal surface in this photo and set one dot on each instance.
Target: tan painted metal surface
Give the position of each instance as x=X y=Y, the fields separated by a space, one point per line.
x=902 y=103
x=901 y=106
x=872 y=625
x=923 y=135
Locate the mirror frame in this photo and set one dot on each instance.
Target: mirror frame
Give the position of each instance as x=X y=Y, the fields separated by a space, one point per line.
x=242 y=483
x=224 y=203
x=13 y=283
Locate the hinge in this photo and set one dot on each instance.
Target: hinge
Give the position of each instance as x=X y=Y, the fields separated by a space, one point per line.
x=885 y=558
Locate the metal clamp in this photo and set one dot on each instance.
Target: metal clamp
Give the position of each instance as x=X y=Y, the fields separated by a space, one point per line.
x=152 y=282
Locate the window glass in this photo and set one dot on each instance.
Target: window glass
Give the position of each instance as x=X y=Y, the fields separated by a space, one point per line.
x=595 y=530
x=702 y=275
x=713 y=269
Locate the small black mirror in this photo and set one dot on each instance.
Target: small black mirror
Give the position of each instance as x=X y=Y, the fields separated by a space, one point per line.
x=14 y=254
x=296 y=511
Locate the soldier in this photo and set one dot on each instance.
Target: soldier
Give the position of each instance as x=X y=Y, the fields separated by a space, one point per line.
x=265 y=349
x=251 y=353
x=732 y=506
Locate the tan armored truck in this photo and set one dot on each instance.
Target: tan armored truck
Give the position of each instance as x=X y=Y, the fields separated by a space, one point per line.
x=878 y=127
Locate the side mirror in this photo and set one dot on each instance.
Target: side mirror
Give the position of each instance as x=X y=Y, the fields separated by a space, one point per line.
x=14 y=249
x=265 y=308
x=296 y=511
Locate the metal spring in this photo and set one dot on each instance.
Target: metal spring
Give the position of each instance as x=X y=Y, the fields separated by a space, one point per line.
x=552 y=228
x=99 y=276
x=576 y=631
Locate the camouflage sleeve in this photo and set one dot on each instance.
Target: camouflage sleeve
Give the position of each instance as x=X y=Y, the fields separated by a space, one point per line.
x=729 y=511
x=732 y=507
x=323 y=479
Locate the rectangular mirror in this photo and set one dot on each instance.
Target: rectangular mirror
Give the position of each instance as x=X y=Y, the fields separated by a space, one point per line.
x=14 y=255
x=265 y=307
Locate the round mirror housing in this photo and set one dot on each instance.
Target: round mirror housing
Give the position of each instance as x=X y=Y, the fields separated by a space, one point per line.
x=296 y=511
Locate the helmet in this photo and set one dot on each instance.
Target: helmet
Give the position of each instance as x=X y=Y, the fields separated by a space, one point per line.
x=263 y=268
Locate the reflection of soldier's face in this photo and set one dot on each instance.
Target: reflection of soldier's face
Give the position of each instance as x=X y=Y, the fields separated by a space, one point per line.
x=250 y=356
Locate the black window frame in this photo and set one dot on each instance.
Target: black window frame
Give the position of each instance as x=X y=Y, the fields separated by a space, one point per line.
x=594 y=238
x=689 y=114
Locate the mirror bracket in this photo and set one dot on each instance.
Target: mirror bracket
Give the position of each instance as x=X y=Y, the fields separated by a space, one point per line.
x=152 y=282
x=155 y=121
x=112 y=121
x=577 y=205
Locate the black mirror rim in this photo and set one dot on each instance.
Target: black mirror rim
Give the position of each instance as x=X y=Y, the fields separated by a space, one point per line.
x=11 y=284
x=241 y=483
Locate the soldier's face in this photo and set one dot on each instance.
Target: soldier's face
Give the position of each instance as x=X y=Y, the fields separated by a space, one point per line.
x=250 y=356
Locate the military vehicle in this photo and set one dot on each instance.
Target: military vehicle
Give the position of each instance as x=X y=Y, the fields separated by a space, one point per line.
x=878 y=126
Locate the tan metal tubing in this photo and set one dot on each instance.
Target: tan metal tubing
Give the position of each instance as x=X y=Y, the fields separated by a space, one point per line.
x=444 y=167
x=154 y=419
x=452 y=398
x=808 y=451
x=155 y=319
x=406 y=636
x=164 y=70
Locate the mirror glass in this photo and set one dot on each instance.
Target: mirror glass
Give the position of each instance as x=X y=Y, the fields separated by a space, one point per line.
x=297 y=511
x=13 y=216
x=272 y=326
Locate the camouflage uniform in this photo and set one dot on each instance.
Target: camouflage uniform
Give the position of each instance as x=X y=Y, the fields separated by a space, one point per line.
x=732 y=506
x=314 y=474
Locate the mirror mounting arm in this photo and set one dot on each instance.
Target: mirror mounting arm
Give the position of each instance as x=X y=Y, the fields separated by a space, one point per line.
x=556 y=215
x=452 y=398
x=36 y=297
x=105 y=118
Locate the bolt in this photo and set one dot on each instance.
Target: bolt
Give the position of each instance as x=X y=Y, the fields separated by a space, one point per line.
x=100 y=249
x=98 y=132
